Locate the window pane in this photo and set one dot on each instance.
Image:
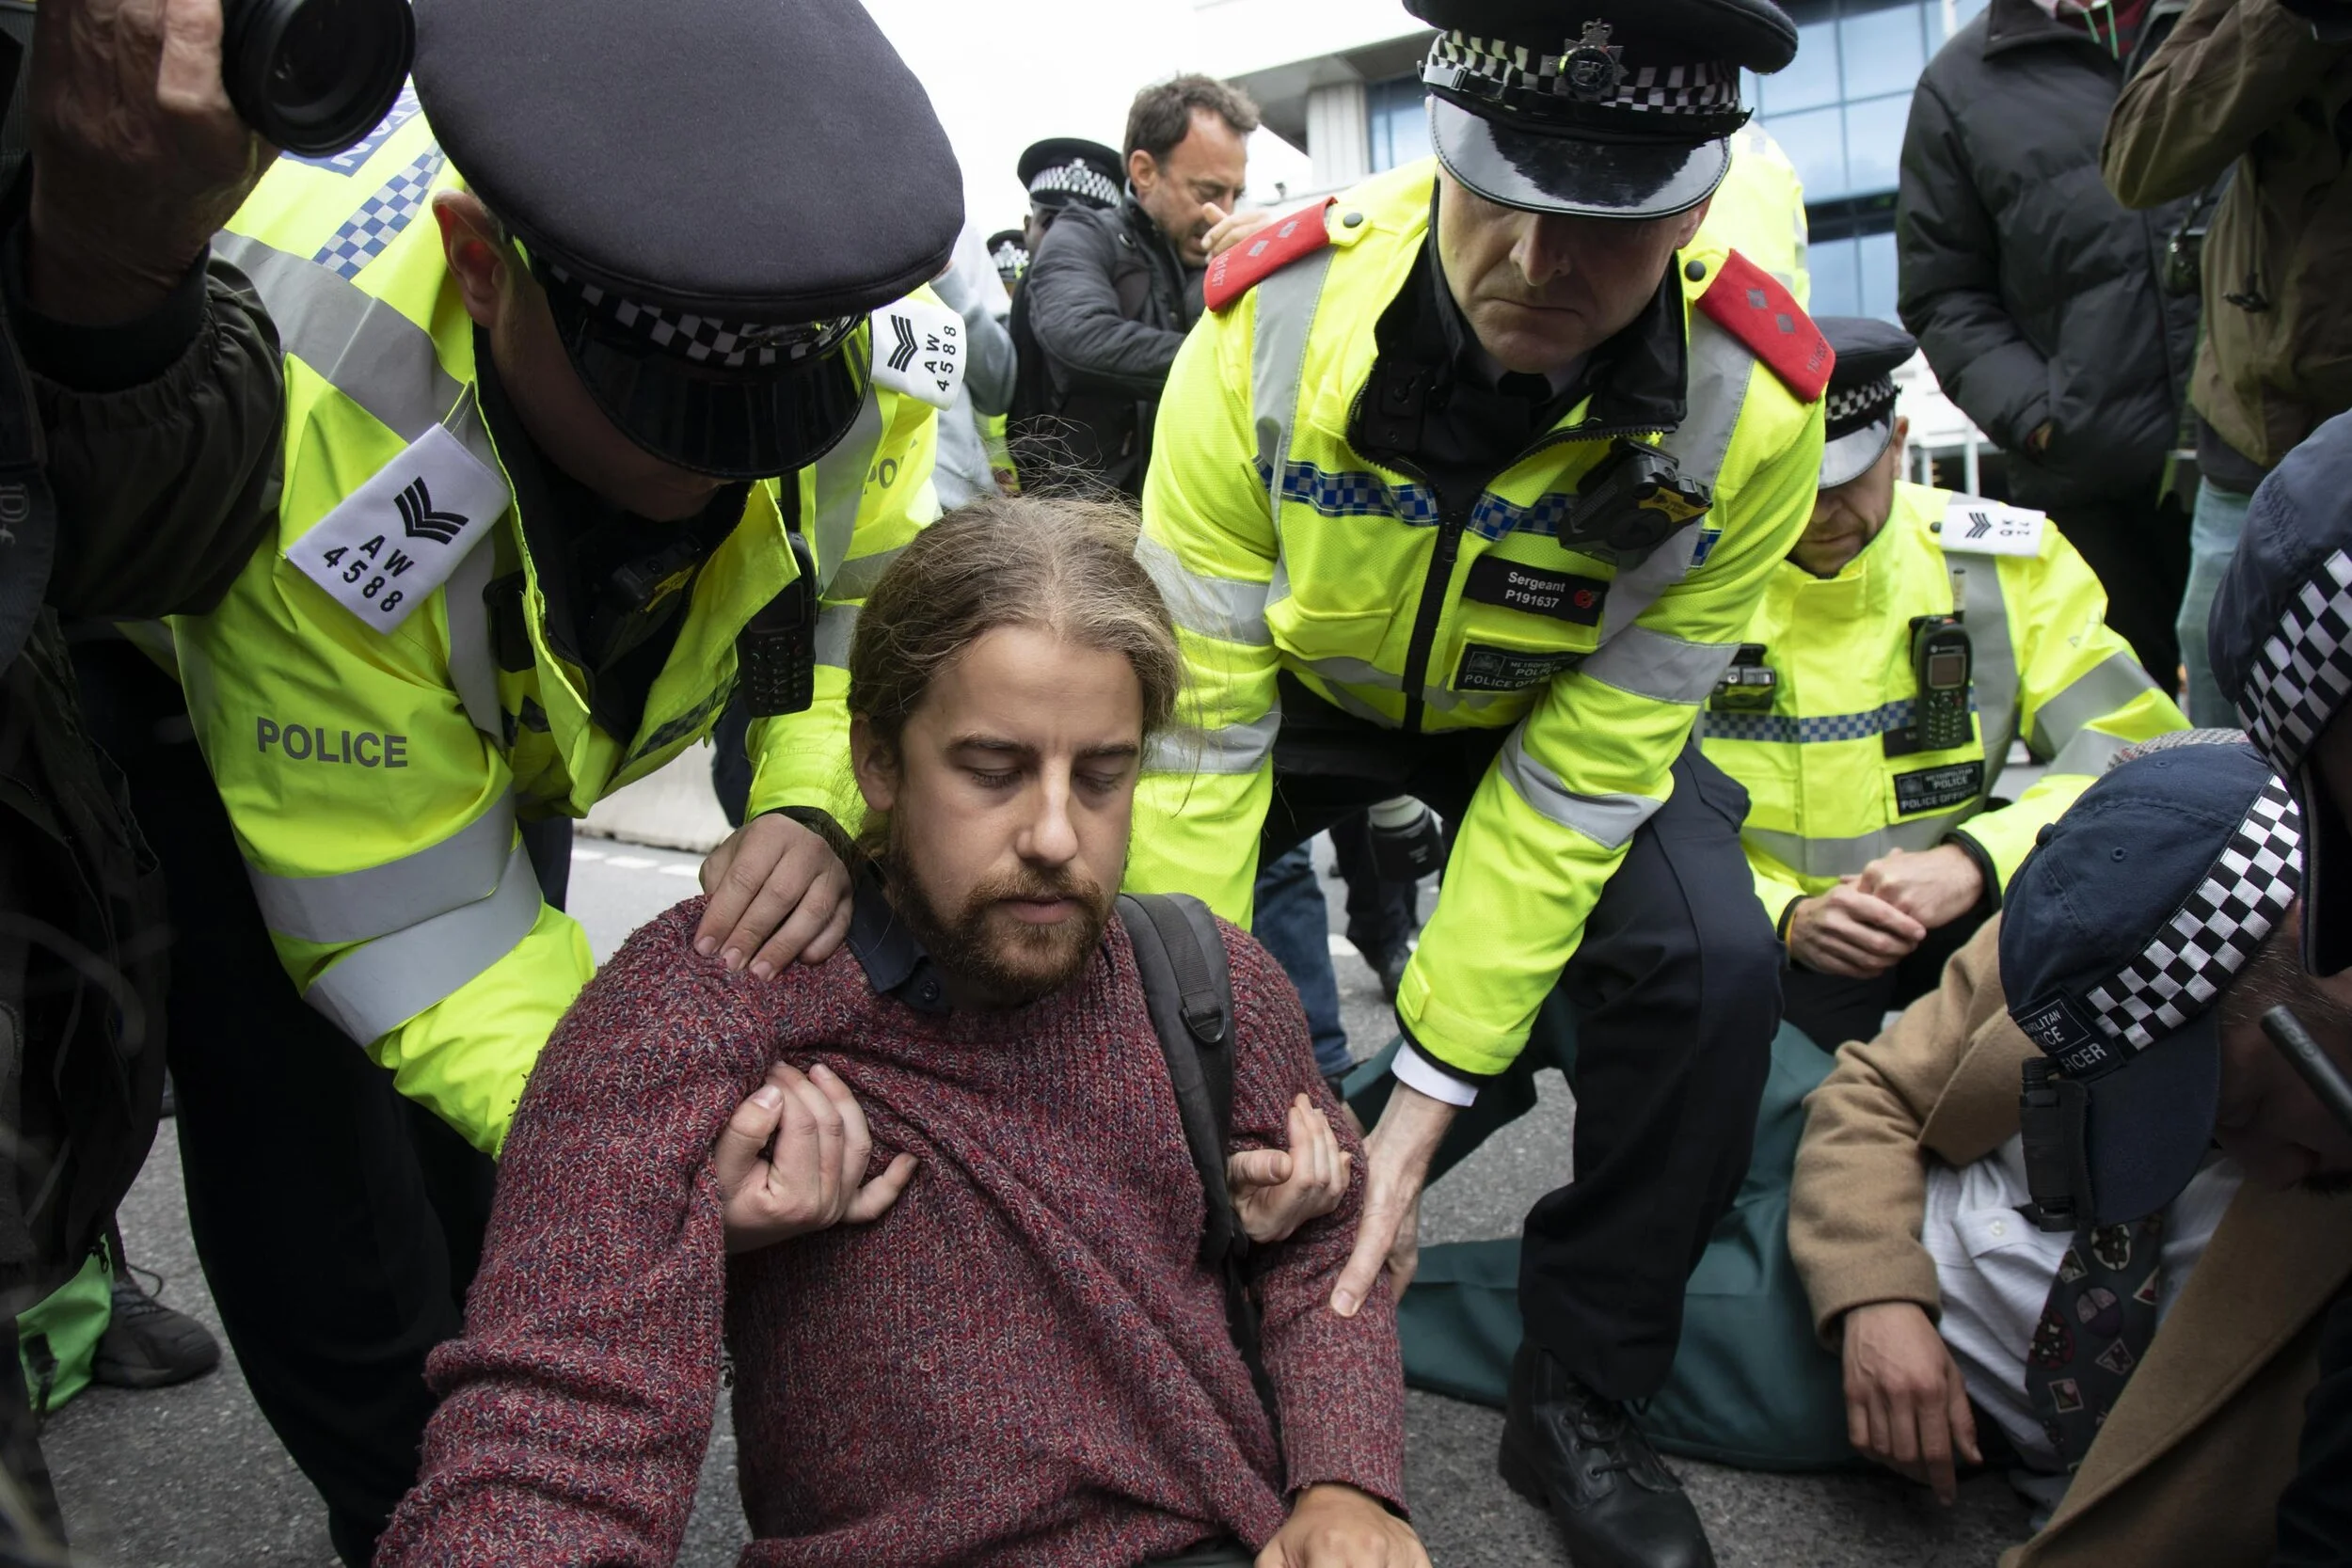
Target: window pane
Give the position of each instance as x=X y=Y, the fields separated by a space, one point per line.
x=1874 y=142
x=1965 y=12
x=1815 y=143
x=1835 y=290
x=1398 y=124
x=1876 y=259
x=1810 y=79
x=1881 y=51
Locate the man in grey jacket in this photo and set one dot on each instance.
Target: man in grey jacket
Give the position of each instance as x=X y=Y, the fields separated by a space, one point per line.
x=1112 y=291
x=2036 y=297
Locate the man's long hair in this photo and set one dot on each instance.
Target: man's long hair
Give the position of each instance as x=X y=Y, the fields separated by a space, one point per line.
x=1066 y=567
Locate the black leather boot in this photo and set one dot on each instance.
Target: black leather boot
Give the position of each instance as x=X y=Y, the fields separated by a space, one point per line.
x=1581 y=1456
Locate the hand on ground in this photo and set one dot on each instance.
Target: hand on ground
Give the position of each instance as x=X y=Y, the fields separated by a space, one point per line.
x=1906 y=1404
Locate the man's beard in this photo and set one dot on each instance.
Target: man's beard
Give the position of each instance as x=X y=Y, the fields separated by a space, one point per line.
x=988 y=951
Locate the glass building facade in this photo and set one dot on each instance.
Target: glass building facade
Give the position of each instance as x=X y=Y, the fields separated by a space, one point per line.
x=1839 y=112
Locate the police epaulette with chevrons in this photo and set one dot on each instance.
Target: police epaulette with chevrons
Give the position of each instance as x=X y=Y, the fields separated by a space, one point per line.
x=1233 y=273
x=1752 y=305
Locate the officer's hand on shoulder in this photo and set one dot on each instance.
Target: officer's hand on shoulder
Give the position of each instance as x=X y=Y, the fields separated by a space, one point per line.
x=137 y=156
x=814 y=1175
x=1934 y=888
x=777 y=893
x=1278 y=1190
x=1849 y=932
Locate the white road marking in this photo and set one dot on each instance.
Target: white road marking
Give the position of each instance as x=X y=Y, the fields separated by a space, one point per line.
x=680 y=869
x=630 y=862
x=579 y=854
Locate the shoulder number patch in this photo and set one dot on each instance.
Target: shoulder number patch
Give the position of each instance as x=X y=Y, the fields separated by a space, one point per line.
x=1979 y=527
x=1284 y=240
x=918 y=350
x=399 y=536
x=1751 y=305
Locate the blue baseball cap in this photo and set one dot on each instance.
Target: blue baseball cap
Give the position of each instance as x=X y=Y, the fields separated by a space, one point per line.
x=2279 y=640
x=2132 y=915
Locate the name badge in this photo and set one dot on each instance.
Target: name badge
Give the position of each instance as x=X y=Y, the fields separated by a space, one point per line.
x=399 y=536
x=1515 y=585
x=1955 y=783
x=919 y=351
x=1981 y=526
x=1487 y=668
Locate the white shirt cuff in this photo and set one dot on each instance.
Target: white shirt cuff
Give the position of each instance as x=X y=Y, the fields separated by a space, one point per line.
x=1417 y=1071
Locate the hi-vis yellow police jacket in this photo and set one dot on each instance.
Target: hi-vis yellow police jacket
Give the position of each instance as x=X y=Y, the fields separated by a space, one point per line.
x=1832 y=781
x=1283 y=549
x=375 y=775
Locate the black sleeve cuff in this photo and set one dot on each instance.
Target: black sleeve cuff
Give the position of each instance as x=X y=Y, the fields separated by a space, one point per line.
x=101 y=359
x=1989 y=902
x=1788 y=912
x=819 y=821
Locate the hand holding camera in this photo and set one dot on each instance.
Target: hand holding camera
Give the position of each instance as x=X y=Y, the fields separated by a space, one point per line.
x=152 y=119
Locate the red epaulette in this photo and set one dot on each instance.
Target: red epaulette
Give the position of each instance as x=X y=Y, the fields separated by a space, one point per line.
x=1232 y=273
x=1751 y=305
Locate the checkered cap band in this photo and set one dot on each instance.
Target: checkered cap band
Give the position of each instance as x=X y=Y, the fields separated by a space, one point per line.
x=702 y=340
x=2302 y=673
x=1010 y=257
x=1520 y=77
x=1855 y=408
x=1083 y=180
x=2213 y=932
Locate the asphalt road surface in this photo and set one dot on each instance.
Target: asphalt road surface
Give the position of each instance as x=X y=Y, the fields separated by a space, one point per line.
x=192 y=1477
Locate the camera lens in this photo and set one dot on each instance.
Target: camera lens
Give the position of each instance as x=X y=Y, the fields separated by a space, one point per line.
x=316 y=75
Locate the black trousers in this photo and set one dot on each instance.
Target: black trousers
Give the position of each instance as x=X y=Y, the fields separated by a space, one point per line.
x=1834 y=1008
x=2136 y=544
x=1675 y=993
x=339 y=1223
x=1382 y=916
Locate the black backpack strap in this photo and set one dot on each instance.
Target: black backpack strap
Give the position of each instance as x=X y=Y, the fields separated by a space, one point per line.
x=1189 y=990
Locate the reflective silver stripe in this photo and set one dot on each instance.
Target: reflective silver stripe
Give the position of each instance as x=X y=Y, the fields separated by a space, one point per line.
x=1233 y=749
x=841 y=482
x=1847 y=857
x=856 y=579
x=372 y=355
x=1285 y=318
x=1226 y=608
x=378 y=986
x=359 y=906
x=1976 y=595
x=836 y=627
x=1609 y=821
x=1665 y=669
x=2090 y=752
x=2111 y=684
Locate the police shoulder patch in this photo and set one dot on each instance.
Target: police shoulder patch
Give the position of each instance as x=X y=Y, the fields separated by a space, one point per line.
x=1976 y=525
x=1753 y=306
x=1233 y=273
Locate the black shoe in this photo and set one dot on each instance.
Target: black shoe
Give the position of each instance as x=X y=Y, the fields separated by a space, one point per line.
x=148 y=1346
x=1580 y=1455
x=1389 y=967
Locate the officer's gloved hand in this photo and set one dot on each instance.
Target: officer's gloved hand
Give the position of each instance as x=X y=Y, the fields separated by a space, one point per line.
x=814 y=1177
x=778 y=892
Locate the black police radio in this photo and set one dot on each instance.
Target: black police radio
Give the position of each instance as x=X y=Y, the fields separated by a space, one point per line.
x=2051 y=1113
x=1942 y=660
x=314 y=76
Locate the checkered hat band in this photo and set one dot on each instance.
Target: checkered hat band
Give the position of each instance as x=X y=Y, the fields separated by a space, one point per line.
x=2302 y=674
x=1083 y=180
x=2213 y=932
x=701 y=339
x=1696 y=88
x=1857 y=403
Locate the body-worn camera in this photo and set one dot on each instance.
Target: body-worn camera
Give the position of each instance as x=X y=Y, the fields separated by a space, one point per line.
x=1748 y=683
x=1632 y=501
x=316 y=75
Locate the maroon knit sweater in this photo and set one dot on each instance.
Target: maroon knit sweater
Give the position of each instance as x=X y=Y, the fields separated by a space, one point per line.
x=1021 y=1363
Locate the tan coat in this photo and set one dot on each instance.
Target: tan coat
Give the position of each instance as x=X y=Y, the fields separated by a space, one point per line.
x=2192 y=1459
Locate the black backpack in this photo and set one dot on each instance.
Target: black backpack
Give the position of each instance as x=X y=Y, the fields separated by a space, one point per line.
x=1188 y=991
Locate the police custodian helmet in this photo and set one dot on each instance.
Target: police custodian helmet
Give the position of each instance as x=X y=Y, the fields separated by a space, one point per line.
x=1602 y=108
x=714 y=195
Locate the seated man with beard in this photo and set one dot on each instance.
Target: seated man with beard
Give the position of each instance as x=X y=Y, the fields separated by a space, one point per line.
x=1021 y=1361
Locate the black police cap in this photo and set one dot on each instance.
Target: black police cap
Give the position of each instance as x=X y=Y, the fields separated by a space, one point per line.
x=1858 y=411
x=1616 y=108
x=746 y=160
x=1062 y=171
x=1008 y=248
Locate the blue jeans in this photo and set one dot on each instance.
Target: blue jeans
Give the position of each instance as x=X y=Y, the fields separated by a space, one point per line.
x=1295 y=926
x=2213 y=530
